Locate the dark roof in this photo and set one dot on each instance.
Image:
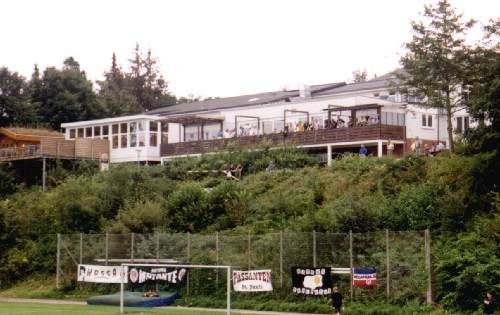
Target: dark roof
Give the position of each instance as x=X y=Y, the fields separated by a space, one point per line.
x=238 y=101
x=375 y=83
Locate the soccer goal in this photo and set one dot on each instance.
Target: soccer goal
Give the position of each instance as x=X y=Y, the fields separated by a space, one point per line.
x=130 y=266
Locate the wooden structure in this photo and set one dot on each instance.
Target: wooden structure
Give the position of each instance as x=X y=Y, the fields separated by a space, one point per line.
x=305 y=138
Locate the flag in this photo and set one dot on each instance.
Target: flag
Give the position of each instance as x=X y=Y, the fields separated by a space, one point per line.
x=364 y=277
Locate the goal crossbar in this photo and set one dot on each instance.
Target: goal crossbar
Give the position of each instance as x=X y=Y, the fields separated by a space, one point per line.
x=228 y=268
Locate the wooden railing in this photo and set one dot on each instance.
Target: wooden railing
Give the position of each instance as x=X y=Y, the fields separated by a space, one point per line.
x=58 y=148
x=314 y=137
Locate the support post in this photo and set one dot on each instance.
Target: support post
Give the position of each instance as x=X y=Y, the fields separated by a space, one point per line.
x=44 y=175
x=58 y=260
x=388 y=266
x=189 y=261
x=281 y=259
x=314 y=249
x=158 y=247
x=351 y=290
x=380 y=146
x=329 y=155
x=106 y=245
x=132 y=238
x=228 y=302
x=121 y=295
x=249 y=240
x=81 y=248
x=428 y=265
x=217 y=258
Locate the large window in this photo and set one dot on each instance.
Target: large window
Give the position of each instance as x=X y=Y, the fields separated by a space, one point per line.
x=105 y=132
x=153 y=133
x=88 y=132
x=72 y=134
x=80 y=133
x=395 y=119
x=462 y=124
x=123 y=135
x=426 y=120
x=115 y=136
x=97 y=131
x=191 y=133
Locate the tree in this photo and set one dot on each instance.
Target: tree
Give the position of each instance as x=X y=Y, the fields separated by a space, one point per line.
x=359 y=75
x=66 y=95
x=435 y=64
x=114 y=92
x=15 y=106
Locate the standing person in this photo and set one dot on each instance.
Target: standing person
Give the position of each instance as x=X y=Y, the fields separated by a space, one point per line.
x=489 y=304
x=363 y=151
x=390 y=147
x=336 y=301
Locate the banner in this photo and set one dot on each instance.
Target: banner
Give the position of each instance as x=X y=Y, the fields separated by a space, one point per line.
x=312 y=281
x=252 y=281
x=102 y=274
x=364 y=277
x=145 y=274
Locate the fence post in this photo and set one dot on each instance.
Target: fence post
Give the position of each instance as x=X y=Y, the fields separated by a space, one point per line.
x=189 y=261
x=44 y=175
x=81 y=248
x=158 y=247
x=388 y=266
x=217 y=258
x=351 y=290
x=58 y=259
x=249 y=239
x=106 y=245
x=132 y=238
x=281 y=259
x=427 y=237
x=314 y=249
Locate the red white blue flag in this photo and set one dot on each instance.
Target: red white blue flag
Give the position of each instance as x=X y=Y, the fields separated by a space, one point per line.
x=364 y=277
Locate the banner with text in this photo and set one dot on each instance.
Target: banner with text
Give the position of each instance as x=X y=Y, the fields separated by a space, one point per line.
x=102 y=274
x=312 y=281
x=252 y=281
x=364 y=277
x=146 y=274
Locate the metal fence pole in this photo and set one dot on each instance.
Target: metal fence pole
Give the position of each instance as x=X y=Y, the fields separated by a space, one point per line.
x=81 y=248
x=106 y=245
x=157 y=247
x=427 y=238
x=58 y=260
x=314 y=248
x=281 y=259
x=217 y=258
x=132 y=238
x=388 y=266
x=249 y=239
x=189 y=261
x=351 y=266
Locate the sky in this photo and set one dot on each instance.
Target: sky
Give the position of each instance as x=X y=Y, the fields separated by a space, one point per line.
x=219 y=47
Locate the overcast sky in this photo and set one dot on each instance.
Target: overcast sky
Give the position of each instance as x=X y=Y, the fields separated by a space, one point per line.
x=218 y=48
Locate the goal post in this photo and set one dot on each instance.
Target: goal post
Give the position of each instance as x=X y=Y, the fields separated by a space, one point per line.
x=228 y=269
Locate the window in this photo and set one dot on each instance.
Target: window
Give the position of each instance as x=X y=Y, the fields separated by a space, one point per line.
x=466 y=123
x=105 y=132
x=123 y=139
x=97 y=131
x=115 y=142
x=426 y=120
x=459 y=128
x=153 y=126
x=153 y=139
x=72 y=134
x=114 y=128
x=267 y=127
x=80 y=132
x=133 y=140
x=164 y=132
x=88 y=132
x=142 y=139
x=123 y=128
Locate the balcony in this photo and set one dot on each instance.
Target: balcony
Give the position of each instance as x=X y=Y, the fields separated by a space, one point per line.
x=305 y=138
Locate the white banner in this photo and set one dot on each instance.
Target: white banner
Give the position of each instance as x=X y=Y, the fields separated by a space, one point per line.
x=252 y=281
x=102 y=274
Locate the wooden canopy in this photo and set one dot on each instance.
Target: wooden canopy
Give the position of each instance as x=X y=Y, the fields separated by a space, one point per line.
x=29 y=134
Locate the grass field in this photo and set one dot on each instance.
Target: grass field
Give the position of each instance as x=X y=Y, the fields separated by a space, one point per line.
x=63 y=309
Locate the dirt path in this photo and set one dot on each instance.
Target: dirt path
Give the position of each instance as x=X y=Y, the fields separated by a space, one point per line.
x=203 y=309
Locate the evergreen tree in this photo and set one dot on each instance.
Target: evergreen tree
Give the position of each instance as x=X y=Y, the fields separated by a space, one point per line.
x=435 y=64
x=66 y=95
x=15 y=105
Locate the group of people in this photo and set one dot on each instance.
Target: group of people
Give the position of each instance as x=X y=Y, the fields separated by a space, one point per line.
x=419 y=148
x=234 y=171
x=150 y=293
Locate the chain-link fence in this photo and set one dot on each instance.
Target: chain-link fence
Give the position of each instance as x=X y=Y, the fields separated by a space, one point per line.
x=402 y=259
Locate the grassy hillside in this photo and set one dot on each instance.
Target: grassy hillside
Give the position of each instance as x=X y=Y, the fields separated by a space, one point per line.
x=445 y=194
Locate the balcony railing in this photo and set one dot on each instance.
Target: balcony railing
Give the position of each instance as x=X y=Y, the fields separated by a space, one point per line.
x=305 y=138
x=19 y=153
